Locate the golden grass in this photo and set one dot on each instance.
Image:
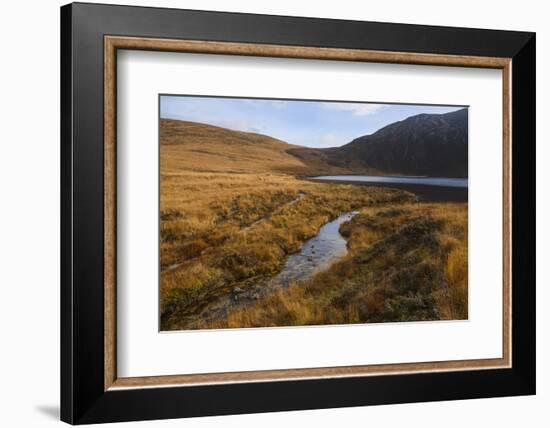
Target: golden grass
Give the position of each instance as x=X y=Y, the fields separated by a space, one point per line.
x=405 y=264
x=241 y=234
x=199 y=147
x=232 y=210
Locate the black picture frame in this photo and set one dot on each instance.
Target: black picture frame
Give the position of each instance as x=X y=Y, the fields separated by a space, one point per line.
x=83 y=398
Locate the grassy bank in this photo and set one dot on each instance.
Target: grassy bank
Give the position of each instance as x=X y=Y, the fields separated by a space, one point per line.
x=232 y=211
x=406 y=262
x=213 y=241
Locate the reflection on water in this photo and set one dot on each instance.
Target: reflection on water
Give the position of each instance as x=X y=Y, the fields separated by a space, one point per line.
x=428 y=181
x=316 y=254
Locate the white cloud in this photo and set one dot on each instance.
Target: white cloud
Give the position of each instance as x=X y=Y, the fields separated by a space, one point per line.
x=237 y=125
x=357 y=109
x=331 y=140
x=279 y=104
x=251 y=101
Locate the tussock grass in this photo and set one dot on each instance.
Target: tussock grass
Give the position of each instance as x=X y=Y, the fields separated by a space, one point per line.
x=405 y=264
x=232 y=210
x=243 y=233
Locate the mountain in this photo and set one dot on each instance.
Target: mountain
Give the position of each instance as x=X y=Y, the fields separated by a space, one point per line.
x=425 y=144
x=206 y=148
x=200 y=147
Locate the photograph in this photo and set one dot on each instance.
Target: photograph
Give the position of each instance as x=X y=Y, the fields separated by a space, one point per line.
x=256 y=210
x=280 y=212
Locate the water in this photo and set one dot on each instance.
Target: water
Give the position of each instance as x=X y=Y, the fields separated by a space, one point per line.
x=426 y=189
x=317 y=254
x=427 y=181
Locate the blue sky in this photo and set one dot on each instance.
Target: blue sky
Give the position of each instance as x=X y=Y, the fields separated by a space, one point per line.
x=305 y=123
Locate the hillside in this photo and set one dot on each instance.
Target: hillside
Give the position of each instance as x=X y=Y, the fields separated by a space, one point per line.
x=233 y=211
x=425 y=144
x=199 y=147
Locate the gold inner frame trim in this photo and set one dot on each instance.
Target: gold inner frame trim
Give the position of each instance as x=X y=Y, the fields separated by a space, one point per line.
x=113 y=43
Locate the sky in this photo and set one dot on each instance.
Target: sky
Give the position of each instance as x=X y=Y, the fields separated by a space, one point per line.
x=306 y=123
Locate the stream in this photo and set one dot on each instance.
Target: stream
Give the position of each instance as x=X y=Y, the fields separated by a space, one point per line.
x=317 y=254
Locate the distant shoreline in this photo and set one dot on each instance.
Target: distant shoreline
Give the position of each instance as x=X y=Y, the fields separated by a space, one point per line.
x=424 y=192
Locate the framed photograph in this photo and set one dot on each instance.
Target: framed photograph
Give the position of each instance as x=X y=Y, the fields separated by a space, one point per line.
x=266 y=213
